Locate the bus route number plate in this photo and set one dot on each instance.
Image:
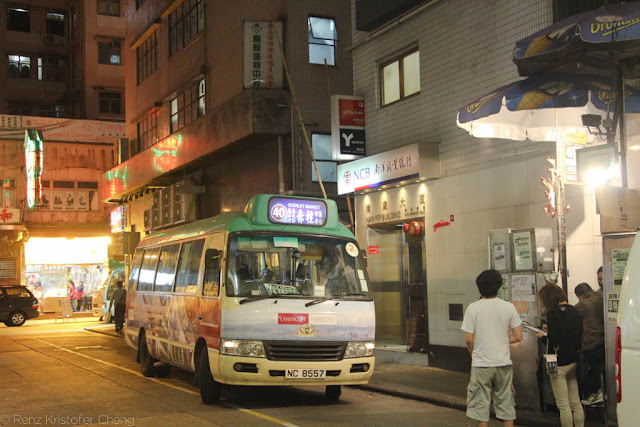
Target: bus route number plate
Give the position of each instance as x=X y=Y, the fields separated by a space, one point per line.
x=305 y=373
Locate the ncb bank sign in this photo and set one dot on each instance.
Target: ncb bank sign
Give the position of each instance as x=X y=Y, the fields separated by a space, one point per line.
x=384 y=168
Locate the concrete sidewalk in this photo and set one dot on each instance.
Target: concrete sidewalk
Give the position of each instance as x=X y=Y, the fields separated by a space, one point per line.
x=439 y=387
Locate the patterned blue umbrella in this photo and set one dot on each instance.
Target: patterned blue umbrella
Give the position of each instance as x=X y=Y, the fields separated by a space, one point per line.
x=593 y=42
x=542 y=107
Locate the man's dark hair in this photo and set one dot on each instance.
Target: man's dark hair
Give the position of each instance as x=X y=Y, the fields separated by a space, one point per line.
x=599 y=270
x=488 y=282
x=551 y=296
x=119 y=283
x=583 y=289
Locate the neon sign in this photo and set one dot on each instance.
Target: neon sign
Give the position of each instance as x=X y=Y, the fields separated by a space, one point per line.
x=33 y=154
x=297 y=211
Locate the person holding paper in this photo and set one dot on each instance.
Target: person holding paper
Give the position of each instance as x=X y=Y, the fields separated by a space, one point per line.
x=564 y=338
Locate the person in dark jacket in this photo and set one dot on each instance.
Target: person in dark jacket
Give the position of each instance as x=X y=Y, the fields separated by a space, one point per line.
x=119 y=297
x=591 y=309
x=564 y=337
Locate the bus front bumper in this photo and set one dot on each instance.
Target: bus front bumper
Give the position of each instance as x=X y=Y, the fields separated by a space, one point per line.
x=237 y=370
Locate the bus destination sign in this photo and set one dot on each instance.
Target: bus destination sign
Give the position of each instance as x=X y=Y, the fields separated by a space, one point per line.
x=297 y=211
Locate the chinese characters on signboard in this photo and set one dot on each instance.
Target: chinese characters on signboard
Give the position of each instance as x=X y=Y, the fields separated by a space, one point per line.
x=262 y=58
x=347 y=127
x=297 y=211
x=66 y=130
x=33 y=154
x=373 y=171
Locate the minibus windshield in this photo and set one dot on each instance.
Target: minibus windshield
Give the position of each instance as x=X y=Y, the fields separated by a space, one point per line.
x=295 y=266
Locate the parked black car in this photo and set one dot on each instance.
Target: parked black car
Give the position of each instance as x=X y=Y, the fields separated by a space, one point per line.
x=17 y=304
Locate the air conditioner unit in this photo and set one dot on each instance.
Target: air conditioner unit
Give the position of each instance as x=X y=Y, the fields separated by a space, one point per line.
x=53 y=39
x=147 y=220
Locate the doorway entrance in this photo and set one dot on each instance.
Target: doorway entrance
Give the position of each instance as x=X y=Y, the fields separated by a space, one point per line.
x=398 y=277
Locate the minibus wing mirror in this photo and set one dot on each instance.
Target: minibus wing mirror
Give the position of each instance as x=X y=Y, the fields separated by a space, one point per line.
x=212 y=258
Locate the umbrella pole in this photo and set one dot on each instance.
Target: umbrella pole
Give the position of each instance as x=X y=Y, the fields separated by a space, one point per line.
x=623 y=127
x=561 y=169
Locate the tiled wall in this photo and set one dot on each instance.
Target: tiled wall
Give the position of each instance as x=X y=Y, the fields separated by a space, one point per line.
x=465 y=52
x=509 y=196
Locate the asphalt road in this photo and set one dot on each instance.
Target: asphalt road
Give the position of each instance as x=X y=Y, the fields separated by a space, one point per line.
x=62 y=374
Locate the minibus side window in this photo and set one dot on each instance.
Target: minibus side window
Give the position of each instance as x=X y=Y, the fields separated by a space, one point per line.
x=135 y=269
x=148 y=269
x=212 y=264
x=166 y=268
x=188 y=266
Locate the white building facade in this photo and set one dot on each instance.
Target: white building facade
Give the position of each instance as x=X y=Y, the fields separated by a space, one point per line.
x=424 y=279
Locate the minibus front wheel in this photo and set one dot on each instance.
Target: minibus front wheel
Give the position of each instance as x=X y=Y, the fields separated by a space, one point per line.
x=146 y=360
x=210 y=389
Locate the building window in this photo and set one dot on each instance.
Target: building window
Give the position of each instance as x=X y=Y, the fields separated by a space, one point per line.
x=19 y=67
x=185 y=24
x=109 y=7
x=7 y=193
x=139 y=3
x=20 y=108
x=148 y=131
x=110 y=103
x=55 y=24
x=69 y=196
x=321 y=145
x=109 y=52
x=51 y=68
x=400 y=78
x=147 y=57
x=52 y=110
x=188 y=106
x=322 y=40
x=18 y=20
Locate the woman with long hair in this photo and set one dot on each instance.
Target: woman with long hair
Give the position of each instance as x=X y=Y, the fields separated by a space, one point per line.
x=564 y=338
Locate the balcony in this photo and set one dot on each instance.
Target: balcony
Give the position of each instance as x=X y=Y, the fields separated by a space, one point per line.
x=255 y=112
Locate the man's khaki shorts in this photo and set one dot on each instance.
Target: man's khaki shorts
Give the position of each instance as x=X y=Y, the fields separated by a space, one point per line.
x=488 y=382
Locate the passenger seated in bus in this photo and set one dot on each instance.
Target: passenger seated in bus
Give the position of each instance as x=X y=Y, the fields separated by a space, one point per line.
x=243 y=272
x=266 y=275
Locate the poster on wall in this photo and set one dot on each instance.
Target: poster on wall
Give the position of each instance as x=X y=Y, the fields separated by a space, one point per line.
x=57 y=200
x=523 y=287
x=69 y=200
x=499 y=259
x=83 y=200
x=503 y=292
x=619 y=259
x=613 y=299
x=522 y=250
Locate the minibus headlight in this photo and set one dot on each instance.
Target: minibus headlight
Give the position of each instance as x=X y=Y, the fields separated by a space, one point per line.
x=359 y=349
x=242 y=348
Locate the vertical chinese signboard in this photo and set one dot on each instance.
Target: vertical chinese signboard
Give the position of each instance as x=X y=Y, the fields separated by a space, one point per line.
x=262 y=58
x=347 y=127
x=33 y=154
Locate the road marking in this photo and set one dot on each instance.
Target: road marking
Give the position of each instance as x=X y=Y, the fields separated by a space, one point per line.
x=155 y=380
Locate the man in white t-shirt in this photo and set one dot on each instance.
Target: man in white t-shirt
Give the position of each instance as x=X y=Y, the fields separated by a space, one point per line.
x=490 y=325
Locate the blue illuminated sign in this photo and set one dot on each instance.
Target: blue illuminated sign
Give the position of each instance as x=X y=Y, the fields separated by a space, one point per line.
x=297 y=211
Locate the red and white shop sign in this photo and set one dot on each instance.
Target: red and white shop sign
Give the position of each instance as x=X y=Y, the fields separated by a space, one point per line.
x=351 y=112
x=9 y=216
x=374 y=250
x=293 y=318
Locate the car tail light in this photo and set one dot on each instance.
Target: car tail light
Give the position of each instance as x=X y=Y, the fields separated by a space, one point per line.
x=618 y=365
x=34 y=305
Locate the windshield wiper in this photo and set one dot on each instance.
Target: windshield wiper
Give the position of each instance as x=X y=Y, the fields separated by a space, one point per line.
x=317 y=301
x=320 y=300
x=257 y=298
